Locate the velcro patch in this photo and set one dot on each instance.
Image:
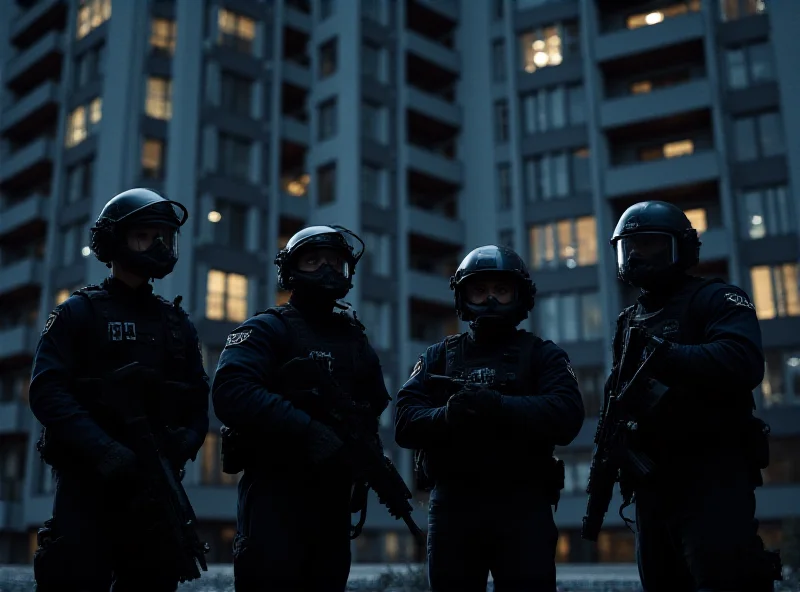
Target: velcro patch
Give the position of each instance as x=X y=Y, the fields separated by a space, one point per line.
x=237 y=338
x=739 y=300
x=50 y=321
x=571 y=371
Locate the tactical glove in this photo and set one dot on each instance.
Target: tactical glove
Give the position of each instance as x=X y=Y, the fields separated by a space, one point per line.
x=323 y=443
x=119 y=465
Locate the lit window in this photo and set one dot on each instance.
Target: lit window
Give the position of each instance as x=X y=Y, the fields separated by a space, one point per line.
x=775 y=291
x=96 y=110
x=697 y=217
x=162 y=35
x=680 y=148
x=153 y=158
x=76 y=127
x=226 y=296
x=297 y=186
x=91 y=14
x=236 y=31
x=62 y=295
x=767 y=212
x=657 y=16
x=781 y=385
x=548 y=46
x=731 y=10
x=158 y=103
x=641 y=87
x=567 y=243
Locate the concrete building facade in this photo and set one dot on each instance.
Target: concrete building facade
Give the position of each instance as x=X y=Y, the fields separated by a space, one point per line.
x=428 y=127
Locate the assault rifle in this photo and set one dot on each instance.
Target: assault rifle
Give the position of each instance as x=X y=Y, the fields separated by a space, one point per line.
x=176 y=518
x=477 y=380
x=333 y=407
x=616 y=429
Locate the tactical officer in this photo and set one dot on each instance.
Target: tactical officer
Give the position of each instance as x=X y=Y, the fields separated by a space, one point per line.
x=295 y=494
x=96 y=534
x=486 y=443
x=695 y=513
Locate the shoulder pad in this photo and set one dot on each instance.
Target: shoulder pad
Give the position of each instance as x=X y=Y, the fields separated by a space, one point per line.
x=348 y=313
x=91 y=291
x=452 y=338
x=273 y=310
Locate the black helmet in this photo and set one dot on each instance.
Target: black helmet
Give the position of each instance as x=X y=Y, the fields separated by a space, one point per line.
x=655 y=242
x=326 y=281
x=502 y=262
x=138 y=207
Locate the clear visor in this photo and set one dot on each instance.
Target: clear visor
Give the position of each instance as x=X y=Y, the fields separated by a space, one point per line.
x=310 y=260
x=142 y=238
x=653 y=248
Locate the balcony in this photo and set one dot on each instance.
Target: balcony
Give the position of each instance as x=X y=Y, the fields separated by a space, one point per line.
x=435 y=226
x=431 y=164
x=296 y=74
x=36 y=60
x=433 y=52
x=295 y=131
x=662 y=174
x=27 y=272
x=29 y=210
x=429 y=287
x=11 y=516
x=433 y=107
x=19 y=341
x=15 y=418
x=32 y=108
x=42 y=14
x=658 y=104
x=296 y=19
x=33 y=155
x=673 y=31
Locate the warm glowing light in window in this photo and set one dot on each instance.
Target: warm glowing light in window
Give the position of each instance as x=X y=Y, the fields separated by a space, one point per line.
x=680 y=148
x=214 y=216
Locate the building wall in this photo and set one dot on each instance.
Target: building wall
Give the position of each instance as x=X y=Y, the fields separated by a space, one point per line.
x=415 y=124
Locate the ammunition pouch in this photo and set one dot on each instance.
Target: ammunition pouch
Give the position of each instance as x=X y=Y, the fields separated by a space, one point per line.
x=422 y=481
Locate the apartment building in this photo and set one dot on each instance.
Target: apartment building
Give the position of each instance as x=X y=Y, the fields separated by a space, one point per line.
x=428 y=127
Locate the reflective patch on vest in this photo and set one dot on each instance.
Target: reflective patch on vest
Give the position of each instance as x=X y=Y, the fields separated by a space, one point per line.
x=671 y=327
x=417 y=369
x=739 y=300
x=571 y=371
x=237 y=338
x=325 y=358
x=50 y=320
x=119 y=331
x=482 y=376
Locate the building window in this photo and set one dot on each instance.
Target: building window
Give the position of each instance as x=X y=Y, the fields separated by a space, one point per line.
x=296 y=184
x=74 y=241
x=758 y=136
x=327 y=58
x=781 y=385
x=654 y=17
x=698 y=219
x=153 y=158
x=504 y=190
x=62 y=295
x=498 y=9
x=566 y=243
x=80 y=177
x=158 y=103
x=211 y=465
x=234 y=156
x=377 y=259
x=501 y=122
x=326 y=184
x=506 y=238
x=553 y=108
x=90 y=65
x=373 y=186
x=374 y=10
x=230 y=225
x=236 y=31
x=667 y=150
x=79 y=125
x=91 y=14
x=749 y=66
x=549 y=46
x=592 y=382
x=557 y=175
x=566 y=318
x=775 y=291
x=327 y=119
x=325 y=9
x=226 y=296
x=373 y=121
x=162 y=35
x=377 y=318
x=499 y=70
x=236 y=94
x=784 y=468
x=373 y=62
x=768 y=212
x=731 y=10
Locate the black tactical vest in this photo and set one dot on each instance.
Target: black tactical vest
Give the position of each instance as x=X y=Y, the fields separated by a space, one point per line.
x=685 y=416
x=343 y=339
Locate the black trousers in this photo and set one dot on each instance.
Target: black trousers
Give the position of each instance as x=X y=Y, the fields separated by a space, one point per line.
x=509 y=532
x=697 y=530
x=93 y=546
x=293 y=533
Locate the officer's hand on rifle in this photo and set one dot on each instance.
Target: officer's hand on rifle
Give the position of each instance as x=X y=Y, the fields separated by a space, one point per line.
x=323 y=443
